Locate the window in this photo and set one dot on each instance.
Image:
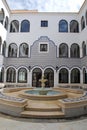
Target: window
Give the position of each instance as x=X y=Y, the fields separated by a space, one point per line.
x=63 y=26
x=12 y=50
x=2 y=15
x=11 y=75
x=4 y=49
x=82 y=23
x=83 y=49
x=6 y=23
x=75 y=76
x=63 y=50
x=86 y=17
x=25 y=26
x=44 y=23
x=14 y=26
x=74 y=26
x=75 y=51
x=63 y=76
x=43 y=47
x=23 y=50
x=22 y=75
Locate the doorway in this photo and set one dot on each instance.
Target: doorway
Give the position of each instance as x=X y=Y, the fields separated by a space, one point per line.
x=49 y=75
x=36 y=76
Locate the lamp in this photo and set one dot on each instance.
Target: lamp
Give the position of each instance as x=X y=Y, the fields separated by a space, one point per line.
x=29 y=68
x=56 y=68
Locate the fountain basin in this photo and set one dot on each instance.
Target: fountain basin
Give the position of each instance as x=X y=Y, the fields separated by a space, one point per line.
x=42 y=94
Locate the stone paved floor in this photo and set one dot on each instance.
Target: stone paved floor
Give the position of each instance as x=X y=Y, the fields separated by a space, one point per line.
x=11 y=123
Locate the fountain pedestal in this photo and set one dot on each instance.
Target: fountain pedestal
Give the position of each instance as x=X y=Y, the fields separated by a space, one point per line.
x=43 y=91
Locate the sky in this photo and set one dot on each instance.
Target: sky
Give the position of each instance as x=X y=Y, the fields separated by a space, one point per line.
x=46 y=5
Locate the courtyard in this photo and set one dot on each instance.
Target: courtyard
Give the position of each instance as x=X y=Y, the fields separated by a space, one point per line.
x=12 y=123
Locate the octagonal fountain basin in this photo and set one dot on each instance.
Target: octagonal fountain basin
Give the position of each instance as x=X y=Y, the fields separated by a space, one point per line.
x=42 y=94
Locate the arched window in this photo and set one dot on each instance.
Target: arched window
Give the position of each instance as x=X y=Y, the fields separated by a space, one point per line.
x=74 y=26
x=4 y=49
x=2 y=74
x=86 y=16
x=2 y=15
x=14 y=26
x=11 y=75
x=63 y=50
x=36 y=76
x=6 y=23
x=82 y=23
x=63 y=76
x=49 y=75
x=25 y=26
x=75 y=76
x=84 y=76
x=75 y=51
x=23 y=50
x=22 y=75
x=63 y=26
x=83 y=49
x=12 y=50
x=0 y=44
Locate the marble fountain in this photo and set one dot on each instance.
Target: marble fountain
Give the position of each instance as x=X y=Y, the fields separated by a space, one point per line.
x=57 y=102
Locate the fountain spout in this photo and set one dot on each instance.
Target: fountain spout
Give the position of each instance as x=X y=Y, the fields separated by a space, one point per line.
x=43 y=80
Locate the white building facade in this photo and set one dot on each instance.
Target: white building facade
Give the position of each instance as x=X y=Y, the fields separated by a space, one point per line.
x=33 y=43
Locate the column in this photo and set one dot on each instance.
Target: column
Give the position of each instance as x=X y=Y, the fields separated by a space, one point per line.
x=16 y=76
x=69 y=52
x=55 y=78
x=69 y=80
x=80 y=52
x=81 y=76
x=30 y=78
x=18 y=51
x=5 y=76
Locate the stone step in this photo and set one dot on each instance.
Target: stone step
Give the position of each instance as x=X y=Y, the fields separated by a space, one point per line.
x=37 y=114
x=43 y=106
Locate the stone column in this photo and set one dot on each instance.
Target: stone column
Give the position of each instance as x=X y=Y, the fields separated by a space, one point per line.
x=5 y=76
x=69 y=52
x=55 y=78
x=30 y=78
x=69 y=80
x=81 y=76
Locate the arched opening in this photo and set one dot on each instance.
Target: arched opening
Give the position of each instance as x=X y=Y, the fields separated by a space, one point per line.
x=14 y=26
x=4 y=49
x=2 y=15
x=25 y=26
x=84 y=76
x=75 y=51
x=63 y=76
x=86 y=16
x=49 y=75
x=2 y=75
x=83 y=49
x=63 y=26
x=82 y=23
x=23 y=50
x=75 y=76
x=12 y=50
x=0 y=45
x=6 y=23
x=11 y=75
x=63 y=50
x=22 y=75
x=36 y=76
x=74 y=26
